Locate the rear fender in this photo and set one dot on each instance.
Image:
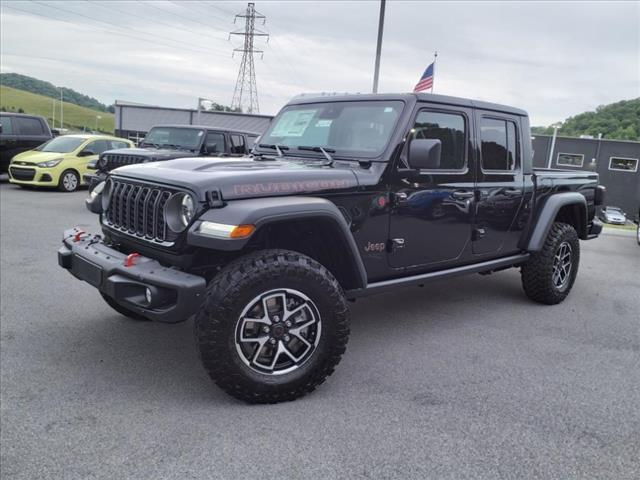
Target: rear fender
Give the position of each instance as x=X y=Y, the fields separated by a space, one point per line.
x=548 y=214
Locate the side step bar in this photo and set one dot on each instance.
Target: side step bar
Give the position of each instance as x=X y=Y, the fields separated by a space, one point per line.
x=387 y=285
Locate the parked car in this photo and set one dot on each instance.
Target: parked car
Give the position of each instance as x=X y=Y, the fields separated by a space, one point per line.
x=636 y=219
x=19 y=133
x=167 y=142
x=613 y=215
x=62 y=161
x=266 y=250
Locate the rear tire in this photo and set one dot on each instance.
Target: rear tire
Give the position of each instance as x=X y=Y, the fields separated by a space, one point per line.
x=69 y=181
x=273 y=326
x=547 y=277
x=123 y=310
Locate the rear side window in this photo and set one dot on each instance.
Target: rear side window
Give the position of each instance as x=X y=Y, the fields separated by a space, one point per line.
x=29 y=126
x=98 y=146
x=499 y=144
x=116 y=144
x=7 y=126
x=237 y=144
x=449 y=128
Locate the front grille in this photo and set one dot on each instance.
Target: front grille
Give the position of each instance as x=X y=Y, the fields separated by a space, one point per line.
x=25 y=174
x=138 y=209
x=115 y=160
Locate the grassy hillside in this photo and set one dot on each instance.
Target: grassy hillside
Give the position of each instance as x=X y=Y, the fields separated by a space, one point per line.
x=75 y=117
x=616 y=121
x=40 y=87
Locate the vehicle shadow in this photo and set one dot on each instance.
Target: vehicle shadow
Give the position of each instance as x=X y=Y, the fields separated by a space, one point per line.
x=140 y=361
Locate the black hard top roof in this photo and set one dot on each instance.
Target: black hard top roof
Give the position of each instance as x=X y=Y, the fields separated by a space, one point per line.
x=16 y=114
x=425 y=97
x=209 y=127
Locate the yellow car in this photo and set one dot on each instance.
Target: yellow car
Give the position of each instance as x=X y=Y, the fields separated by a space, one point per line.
x=62 y=161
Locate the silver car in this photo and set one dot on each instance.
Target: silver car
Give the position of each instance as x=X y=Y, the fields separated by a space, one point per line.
x=613 y=215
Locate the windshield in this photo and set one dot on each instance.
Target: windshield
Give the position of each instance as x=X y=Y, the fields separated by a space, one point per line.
x=174 y=137
x=61 y=144
x=613 y=209
x=360 y=129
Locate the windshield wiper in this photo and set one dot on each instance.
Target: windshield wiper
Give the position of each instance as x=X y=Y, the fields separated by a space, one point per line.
x=325 y=151
x=274 y=146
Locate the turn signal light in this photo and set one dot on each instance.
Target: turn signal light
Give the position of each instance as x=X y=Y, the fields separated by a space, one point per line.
x=242 y=231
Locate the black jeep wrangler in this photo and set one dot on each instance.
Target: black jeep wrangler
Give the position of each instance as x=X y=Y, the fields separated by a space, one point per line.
x=167 y=142
x=343 y=198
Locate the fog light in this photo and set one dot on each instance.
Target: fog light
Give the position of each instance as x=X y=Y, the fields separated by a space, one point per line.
x=147 y=295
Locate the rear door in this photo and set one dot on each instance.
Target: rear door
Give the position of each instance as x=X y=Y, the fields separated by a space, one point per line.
x=431 y=221
x=31 y=132
x=8 y=144
x=500 y=183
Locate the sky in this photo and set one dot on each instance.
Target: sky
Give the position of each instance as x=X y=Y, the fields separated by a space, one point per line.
x=553 y=59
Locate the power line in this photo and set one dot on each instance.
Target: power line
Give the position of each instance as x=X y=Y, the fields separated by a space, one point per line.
x=154 y=20
x=155 y=42
x=246 y=83
x=179 y=16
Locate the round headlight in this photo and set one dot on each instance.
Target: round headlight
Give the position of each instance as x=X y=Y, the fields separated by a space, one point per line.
x=179 y=211
x=106 y=193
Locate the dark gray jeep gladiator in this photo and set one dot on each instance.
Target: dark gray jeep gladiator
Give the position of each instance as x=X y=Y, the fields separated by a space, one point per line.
x=166 y=142
x=342 y=198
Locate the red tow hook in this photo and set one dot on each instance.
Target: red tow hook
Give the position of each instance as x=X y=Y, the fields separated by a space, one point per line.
x=130 y=260
x=78 y=236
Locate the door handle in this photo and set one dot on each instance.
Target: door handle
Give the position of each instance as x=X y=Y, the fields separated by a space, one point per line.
x=462 y=195
x=512 y=192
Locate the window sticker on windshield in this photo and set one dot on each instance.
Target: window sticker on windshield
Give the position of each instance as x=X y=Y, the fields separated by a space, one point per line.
x=200 y=133
x=323 y=123
x=293 y=123
x=388 y=109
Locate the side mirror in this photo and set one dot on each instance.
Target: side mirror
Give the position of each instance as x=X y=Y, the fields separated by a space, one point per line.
x=211 y=148
x=86 y=153
x=424 y=153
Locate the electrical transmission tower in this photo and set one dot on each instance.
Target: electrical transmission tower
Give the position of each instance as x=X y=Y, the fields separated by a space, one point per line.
x=245 y=96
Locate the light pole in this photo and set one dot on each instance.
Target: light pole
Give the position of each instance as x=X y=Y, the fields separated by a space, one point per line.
x=98 y=117
x=376 y=71
x=556 y=127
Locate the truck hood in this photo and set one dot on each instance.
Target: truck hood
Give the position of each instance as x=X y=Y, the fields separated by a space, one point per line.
x=243 y=177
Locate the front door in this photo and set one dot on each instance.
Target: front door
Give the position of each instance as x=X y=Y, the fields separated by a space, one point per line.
x=500 y=187
x=432 y=216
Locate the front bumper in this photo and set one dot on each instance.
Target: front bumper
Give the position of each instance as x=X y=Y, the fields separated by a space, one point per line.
x=594 y=229
x=44 y=177
x=175 y=295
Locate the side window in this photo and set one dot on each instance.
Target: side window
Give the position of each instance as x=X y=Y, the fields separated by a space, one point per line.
x=29 y=126
x=237 y=144
x=214 y=142
x=98 y=146
x=7 y=126
x=499 y=144
x=450 y=129
x=116 y=144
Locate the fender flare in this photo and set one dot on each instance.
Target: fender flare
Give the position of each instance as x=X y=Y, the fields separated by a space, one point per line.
x=264 y=211
x=548 y=213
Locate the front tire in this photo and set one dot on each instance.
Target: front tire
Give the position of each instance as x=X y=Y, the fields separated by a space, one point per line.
x=548 y=276
x=69 y=181
x=273 y=326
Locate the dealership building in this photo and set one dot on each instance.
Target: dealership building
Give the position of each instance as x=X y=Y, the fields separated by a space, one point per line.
x=134 y=120
x=615 y=161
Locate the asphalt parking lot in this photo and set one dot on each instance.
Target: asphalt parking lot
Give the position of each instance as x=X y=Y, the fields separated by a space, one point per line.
x=465 y=378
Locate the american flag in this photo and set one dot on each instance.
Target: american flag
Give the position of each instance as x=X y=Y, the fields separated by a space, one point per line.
x=426 y=81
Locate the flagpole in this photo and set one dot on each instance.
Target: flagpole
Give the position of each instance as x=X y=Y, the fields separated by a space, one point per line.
x=435 y=57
